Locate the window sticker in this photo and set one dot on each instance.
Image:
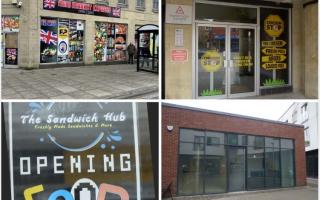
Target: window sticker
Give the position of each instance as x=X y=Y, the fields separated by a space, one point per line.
x=74 y=151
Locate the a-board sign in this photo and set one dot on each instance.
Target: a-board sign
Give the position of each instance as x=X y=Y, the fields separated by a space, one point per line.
x=74 y=151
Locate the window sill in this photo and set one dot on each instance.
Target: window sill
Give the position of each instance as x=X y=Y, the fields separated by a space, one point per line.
x=155 y=10
x=122 y=5
x=140 y=8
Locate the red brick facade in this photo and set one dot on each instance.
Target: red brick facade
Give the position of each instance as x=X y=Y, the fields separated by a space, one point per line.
x=187 y=118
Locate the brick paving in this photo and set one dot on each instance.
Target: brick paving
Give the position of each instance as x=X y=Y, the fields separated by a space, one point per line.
x=84 y=82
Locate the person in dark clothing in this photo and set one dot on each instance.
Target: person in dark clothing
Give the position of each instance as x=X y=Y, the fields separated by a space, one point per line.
x=131 y=51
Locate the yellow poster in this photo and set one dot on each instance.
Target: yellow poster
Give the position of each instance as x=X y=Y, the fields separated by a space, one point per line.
x=211 y=61
x=274 y=51
x=242 y=61
x=274 y=43
x=274 y=58
x=271 y=66
x=273 y=25
x=63 y=33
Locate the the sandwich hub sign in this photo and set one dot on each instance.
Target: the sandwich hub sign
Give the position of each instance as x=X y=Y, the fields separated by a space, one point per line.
x=73 y=151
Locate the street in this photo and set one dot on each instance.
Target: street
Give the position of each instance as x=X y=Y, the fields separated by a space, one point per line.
x=85 y=82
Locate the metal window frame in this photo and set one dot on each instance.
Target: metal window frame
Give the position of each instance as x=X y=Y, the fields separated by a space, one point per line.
x=258 y=87
x=226 y=147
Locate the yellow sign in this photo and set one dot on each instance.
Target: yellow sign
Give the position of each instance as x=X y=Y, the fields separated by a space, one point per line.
x=272 y=66
x=273 y=25
x=63 y=33
x=242 y=61
x=274 y=58
x=274 y=43
x=272 y=51
x=211 y=61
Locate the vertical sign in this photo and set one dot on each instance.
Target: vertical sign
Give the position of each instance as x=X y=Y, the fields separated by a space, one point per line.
x=274 y=47
x=74 y=151
x=48 y=40
x=179 y=38
x=63 y=40
x=11 y=56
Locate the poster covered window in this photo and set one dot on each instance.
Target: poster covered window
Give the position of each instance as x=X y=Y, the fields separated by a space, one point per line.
x=10 y=23
x=110 y=42
x=75 y=150
x=61 y=40
x=274 y=36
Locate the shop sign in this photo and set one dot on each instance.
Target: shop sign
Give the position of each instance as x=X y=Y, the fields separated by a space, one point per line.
x=242 y=61
x=178 y=14
x=74 y=151
x=273 y=25
x=274 y=51
x=179 y=55
x=11 y=56
x=274 y=43
x=211 y=61
x=10 y=24
x=271 y=66
x=82 y=8
x=274 y=58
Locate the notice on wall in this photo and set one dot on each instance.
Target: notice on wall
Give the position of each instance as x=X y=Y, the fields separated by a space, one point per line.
x=9 y=24
x=179 y=38
x=179 y=55
x=178 y=14
x=11 y=56
x=73 y=151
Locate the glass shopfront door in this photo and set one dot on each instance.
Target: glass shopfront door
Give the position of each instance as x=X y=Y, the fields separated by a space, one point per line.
x=226 y=65
x=236 y=167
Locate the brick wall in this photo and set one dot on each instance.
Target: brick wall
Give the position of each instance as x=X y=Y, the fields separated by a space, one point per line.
x=186 y=118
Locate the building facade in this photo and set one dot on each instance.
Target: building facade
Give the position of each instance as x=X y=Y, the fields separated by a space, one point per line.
x=306 y=114
x=80 y=32
x=231 y=49
x=207 y=152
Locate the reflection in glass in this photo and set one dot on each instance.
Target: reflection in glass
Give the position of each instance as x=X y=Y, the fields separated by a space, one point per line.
x=236 y=166
x=255 y=170
x=272 y=167
x=287 y=168
x=211 y=56
x=222 y=13
x=242 y=68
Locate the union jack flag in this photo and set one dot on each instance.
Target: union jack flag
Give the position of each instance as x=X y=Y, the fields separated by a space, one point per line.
x=48 y=37
x=49 y=3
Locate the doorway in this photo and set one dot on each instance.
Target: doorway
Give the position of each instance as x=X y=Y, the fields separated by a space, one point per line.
x=226 y=60
x=10 y=53
x=236 y=169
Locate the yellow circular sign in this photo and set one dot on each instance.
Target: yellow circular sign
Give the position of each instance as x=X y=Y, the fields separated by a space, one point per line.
x=273 y=25
x=211 y=61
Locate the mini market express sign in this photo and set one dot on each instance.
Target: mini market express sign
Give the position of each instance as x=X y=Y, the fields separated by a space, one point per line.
x=73 y=151
x=82 y=8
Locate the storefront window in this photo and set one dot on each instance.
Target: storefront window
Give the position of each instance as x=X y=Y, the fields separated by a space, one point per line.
x=110 y=42
x=255 y=171
x=61 y=40
x=287 y=163
x=65 y=150
x=274 y=38
x=221 y=13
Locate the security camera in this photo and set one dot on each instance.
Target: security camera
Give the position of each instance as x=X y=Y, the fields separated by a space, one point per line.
x=19 y=4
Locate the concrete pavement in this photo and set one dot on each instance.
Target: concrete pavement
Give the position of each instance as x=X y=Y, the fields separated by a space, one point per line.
x=85 y=82
x=298 y=193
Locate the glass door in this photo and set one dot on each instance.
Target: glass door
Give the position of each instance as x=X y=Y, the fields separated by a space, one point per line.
x=211 y=65
x=236 y=168
x=241 y=69
x=225 y=61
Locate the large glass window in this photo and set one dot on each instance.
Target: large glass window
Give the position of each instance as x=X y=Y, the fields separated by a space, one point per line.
x=222 y=13
x=287 y=163
x=214 y=162
x=61 y=40
x=110 y=42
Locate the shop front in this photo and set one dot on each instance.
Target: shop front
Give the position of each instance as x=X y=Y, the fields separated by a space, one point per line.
x=234 y=49
x=10 y=33
x=209 y=152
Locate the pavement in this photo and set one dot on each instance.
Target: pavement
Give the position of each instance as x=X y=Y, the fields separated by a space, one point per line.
x=84 y=82
x=297 y=193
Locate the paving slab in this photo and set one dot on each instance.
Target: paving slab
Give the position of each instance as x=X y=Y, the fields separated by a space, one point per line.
x=84 y=82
